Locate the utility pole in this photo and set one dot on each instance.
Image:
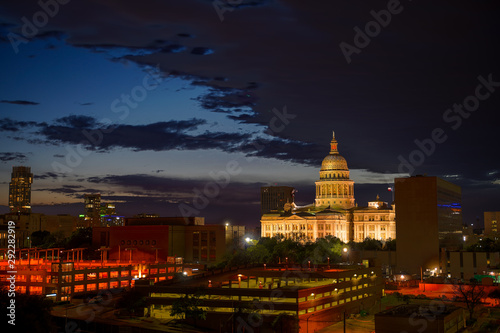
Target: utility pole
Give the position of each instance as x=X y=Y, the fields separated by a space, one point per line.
x=344 y=321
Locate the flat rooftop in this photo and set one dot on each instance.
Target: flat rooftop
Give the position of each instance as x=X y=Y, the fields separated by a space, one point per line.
x=422 y=310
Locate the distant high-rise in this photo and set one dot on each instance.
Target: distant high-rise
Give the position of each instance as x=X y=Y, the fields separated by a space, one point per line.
x=274 y=198
x=429 y=219
x=92 y=214
x=492 y=224
x=108 y=208
x=20 y=190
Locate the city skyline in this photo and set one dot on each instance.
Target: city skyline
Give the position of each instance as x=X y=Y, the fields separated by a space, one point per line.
x=170 y=97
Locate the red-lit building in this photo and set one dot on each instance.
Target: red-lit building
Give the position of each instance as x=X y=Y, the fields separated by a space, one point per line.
x=153 y=243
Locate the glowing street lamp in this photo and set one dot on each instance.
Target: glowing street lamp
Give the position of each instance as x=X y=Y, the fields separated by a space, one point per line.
x=346 y=251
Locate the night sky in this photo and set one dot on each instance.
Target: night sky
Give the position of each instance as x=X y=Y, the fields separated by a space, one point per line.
x=148 y=102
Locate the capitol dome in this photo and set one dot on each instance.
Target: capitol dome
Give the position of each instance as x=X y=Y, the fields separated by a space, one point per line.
x=334 y=162
x=334 y=189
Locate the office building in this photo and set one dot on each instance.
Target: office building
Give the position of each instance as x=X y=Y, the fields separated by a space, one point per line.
x=20 y=190
x=92 y=215
x=491 y=224
x=274 y=198
x=429 y=216
x=154 y=239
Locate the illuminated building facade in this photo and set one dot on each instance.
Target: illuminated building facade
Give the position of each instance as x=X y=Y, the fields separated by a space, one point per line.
x=334 y=212
x=20 y=190
x=92 y=216
x=429 y=219
x=377 y=221
x=491 y=224
x=334 y=188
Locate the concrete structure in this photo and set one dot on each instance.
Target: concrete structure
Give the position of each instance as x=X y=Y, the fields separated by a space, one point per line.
x=428 y=211
x=50 y=274
x=274 y=198
x=465 y=265
x=416 y=318
x=20 y=190
x=156 y=220
x=29 y=223
x=492 y=225
x=153 y=243
x=235 y=234
x=317 y=297
x=334 y=212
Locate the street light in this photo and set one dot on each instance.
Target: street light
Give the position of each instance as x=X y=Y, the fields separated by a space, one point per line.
x=307 y=322
x=346 y=251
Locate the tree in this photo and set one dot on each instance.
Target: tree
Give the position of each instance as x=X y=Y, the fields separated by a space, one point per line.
x=38 y=238
x=285 y=323
x=189 y=307
x=371 y=244
x=471 y=294
x=258 y=254
x=390 y=245
x=133 y=301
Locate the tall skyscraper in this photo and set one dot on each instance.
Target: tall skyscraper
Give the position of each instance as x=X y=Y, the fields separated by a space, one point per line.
x=274 y=198
x=92 y=214
x=429 y=219
x=20 y=190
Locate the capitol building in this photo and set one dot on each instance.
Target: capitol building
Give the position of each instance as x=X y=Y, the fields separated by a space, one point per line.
x=334 y=211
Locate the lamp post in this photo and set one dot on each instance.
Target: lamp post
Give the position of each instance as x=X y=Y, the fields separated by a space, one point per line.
x=328 y=262
x=346 y=252
x=307 y=322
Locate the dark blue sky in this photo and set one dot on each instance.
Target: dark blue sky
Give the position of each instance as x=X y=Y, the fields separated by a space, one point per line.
x=148 y=103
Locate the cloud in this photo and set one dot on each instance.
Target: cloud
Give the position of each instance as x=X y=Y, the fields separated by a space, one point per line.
x=9 y=157
x=7 y=124
x=49 y=175
x=19 y=102
x=77 y=121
